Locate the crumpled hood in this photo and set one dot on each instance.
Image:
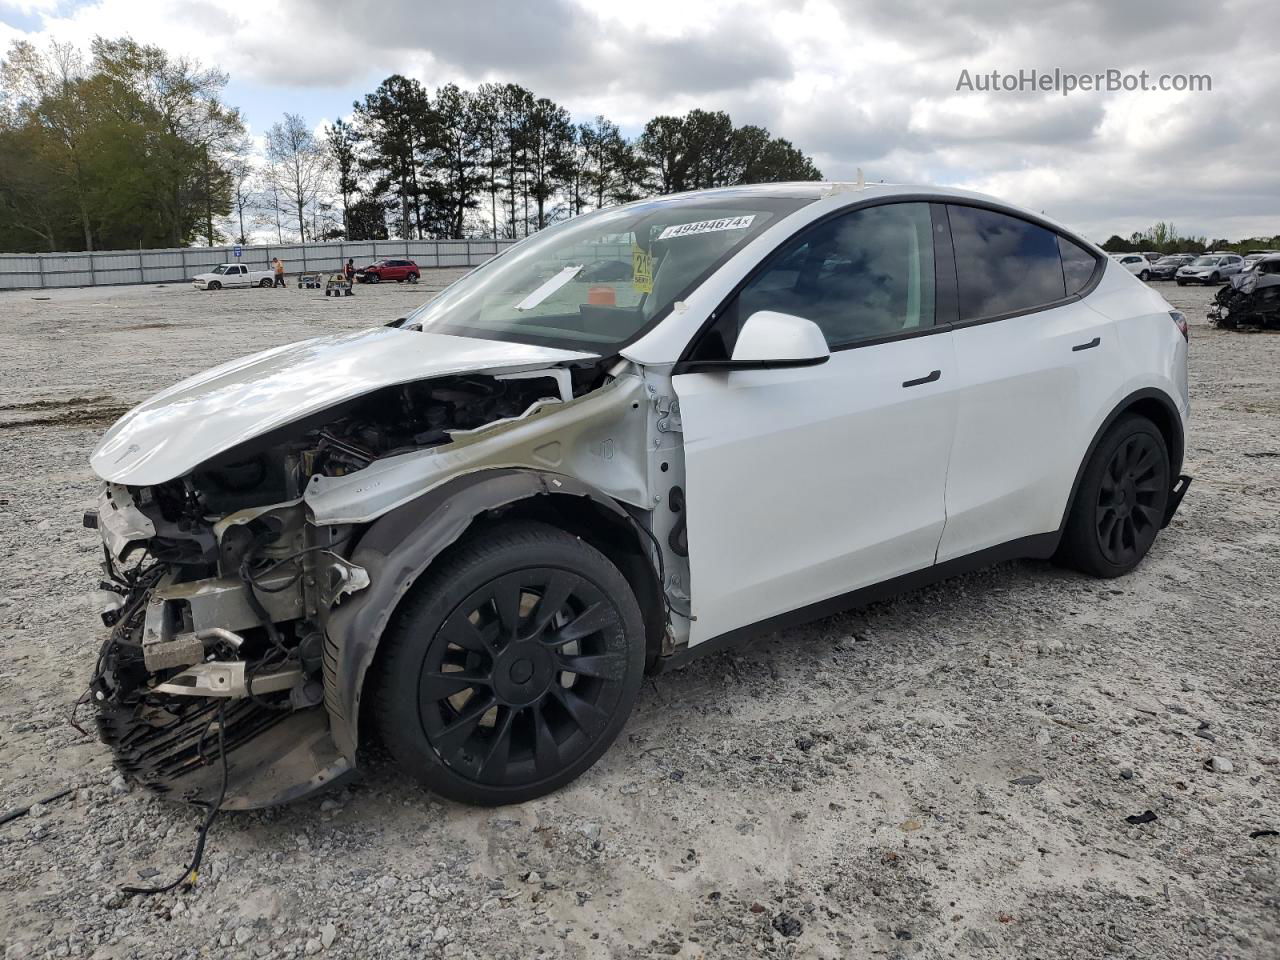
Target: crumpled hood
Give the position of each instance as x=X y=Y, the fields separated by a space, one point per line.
x=208 y=414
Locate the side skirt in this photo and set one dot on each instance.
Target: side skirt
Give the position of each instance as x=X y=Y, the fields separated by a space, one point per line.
x=1038 y=547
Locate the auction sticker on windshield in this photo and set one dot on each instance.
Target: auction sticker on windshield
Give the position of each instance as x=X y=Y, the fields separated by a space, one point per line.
x=706 y=226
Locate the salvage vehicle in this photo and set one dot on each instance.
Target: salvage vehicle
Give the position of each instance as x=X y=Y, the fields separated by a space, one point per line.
x=1211 y=268
x=232 y=275
x=1251 y=299
x=468 y=534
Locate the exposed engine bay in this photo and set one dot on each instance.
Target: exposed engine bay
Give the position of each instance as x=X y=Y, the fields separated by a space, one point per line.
x=221 y=583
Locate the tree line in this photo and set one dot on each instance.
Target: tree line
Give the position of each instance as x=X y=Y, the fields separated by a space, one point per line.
x=1163 y=237
x=134 y=147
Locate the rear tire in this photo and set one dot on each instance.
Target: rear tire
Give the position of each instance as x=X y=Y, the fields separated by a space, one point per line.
x=1145 y=275
x=479 y=693
x=1120 y=505
x=264 y=283
x=412 y=278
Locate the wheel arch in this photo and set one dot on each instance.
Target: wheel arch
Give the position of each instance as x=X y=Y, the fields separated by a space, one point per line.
x=399 y=547
x=1158 y=407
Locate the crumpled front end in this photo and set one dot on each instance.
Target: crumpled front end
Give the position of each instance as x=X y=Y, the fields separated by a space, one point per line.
x=216 y=625
x=223 y=581
x=1248 y=300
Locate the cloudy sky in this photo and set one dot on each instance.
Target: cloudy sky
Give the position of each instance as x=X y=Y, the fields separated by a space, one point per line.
x=870 y=85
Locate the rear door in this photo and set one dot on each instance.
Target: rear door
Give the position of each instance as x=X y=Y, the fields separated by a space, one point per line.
x=806 y=483
x=1033 y=363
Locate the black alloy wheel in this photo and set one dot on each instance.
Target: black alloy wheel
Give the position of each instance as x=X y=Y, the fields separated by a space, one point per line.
x=512 y=668
x=1120 y=503
x=372 y=277
x=1134 y=484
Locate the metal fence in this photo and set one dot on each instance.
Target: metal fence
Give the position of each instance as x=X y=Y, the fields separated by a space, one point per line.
x=43 y=270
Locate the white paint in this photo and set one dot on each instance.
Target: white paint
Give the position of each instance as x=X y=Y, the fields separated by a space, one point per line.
x=806 y=483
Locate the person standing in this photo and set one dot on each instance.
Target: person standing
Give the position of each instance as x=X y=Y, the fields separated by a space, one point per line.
x=350 y=270
x=279 y=268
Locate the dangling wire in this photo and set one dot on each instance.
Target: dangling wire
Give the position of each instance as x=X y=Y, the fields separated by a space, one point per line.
x=190 y=874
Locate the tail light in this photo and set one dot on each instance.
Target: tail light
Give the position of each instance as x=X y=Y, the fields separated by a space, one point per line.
x=1180 y=319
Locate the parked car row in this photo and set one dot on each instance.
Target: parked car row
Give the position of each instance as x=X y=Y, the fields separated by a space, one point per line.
x=239 y=275
x=1207 y=268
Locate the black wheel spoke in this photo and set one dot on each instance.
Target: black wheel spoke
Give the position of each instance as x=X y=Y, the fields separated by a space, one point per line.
x=461 y=631
x=442 y=686
x=609 y=666
x=494 y=763
x=554 y=596
x=589 y=718
x=506 y=601
x=451 y=738
x=591 y=620
x=546 y=752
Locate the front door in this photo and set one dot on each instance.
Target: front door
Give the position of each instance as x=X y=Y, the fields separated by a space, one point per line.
x=804 y=484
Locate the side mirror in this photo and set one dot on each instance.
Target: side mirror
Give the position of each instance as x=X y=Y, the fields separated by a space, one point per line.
x=768 y=340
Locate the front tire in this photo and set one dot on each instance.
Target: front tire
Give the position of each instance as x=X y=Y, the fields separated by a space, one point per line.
x=1120 y=505
x=510 y=669
x=372 y=277
x=1214 y=278
x=214 y=285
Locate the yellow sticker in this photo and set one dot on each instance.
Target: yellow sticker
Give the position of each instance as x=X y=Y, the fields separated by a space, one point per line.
x=641 y=270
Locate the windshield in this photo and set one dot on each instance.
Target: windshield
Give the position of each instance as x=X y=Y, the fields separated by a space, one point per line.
x=595 y=283
x=1205 y=262
x=1170 y=259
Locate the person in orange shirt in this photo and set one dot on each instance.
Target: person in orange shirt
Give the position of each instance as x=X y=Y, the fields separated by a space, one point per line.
x=279 y=267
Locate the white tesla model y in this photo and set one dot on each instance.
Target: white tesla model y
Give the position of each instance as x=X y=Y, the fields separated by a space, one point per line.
x=640 y=435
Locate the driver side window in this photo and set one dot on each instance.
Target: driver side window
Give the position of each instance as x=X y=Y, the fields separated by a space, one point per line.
x=863 y=276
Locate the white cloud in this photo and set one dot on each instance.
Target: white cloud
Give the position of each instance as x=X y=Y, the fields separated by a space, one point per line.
x=856 y=83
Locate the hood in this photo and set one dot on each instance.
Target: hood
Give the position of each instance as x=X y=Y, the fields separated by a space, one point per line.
x=181 y=427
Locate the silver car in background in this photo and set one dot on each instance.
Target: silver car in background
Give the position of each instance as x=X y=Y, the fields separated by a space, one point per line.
x=1210 y=268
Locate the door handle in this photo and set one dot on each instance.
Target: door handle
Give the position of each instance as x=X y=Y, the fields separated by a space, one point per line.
x=1086 y=346
x=936 y=375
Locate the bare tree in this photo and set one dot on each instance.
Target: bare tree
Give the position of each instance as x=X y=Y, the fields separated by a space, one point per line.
x=300 y=165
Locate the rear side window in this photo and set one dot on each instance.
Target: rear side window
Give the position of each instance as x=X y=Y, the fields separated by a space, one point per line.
x=1003 y=265
x=1078 y=265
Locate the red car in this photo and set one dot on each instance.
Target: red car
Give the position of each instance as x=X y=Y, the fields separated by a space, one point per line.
x=397 y=270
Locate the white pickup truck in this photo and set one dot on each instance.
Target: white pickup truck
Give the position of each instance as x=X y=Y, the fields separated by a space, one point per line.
x=232 y=275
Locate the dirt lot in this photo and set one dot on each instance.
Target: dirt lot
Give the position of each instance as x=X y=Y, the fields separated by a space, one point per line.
x=947 y=775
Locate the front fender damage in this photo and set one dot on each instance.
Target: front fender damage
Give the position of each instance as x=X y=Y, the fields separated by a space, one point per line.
x=292 y=592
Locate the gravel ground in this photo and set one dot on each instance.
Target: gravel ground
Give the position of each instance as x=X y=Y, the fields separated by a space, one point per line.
x=947 y=775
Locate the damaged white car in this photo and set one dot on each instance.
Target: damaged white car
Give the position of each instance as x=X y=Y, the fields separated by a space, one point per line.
x=637 y=436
